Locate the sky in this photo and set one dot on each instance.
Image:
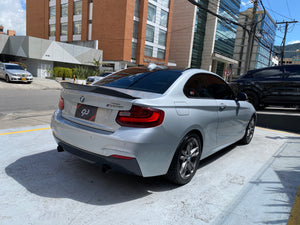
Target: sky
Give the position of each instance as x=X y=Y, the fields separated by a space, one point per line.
x=282 y=10
x=13 y=16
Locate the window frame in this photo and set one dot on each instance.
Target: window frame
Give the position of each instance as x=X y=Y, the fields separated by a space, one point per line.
x=205 y=93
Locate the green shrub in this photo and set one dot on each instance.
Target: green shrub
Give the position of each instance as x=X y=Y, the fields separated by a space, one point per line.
x=80 y=72
x=63 y=72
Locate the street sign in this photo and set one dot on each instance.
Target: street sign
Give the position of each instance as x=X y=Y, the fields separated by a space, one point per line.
x=227 y=72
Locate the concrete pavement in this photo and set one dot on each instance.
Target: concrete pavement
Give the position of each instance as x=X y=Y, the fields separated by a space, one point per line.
x=252 y=184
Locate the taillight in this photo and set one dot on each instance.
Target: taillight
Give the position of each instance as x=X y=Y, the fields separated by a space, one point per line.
x=61 y=103
x=142 y=117
x=121 y=157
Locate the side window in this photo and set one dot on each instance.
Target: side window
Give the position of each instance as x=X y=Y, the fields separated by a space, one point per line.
x=271 y=73
x=293 y=72
x=196 y=87
x=219 y=88
x=207 y=86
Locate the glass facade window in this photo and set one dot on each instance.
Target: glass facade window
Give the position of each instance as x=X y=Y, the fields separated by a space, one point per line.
x=148 y=51
x=133 y=50
x=226 y=33
x=77 y=27
x=164 y=18
x=137 y=8
x=161 y=53
x=150 y=33
x=165 y=3
x=52 y=30
x=52 y=12
x=162 y=37
x=151 y=13
x=199 y=33
x=64 y=10
x=78 y=7
x=135 y=29
x=64 y=29
x=267 y=31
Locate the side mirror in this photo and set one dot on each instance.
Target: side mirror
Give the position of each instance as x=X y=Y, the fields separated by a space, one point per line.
x=241 y=96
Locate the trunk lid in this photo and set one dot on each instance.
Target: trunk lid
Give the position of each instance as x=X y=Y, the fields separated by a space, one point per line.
x=94 y=106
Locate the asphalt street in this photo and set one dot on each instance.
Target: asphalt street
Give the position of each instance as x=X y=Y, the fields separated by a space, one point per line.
x=28 y=104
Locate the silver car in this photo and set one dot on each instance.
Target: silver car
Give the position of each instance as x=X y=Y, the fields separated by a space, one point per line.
x=152 y=122
x=13 y=72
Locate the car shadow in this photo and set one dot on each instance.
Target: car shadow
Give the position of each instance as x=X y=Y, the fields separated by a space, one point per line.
x=61 y=175
x=210 y=159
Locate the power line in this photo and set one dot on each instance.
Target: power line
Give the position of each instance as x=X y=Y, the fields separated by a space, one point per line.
x=287 y=5
x=278 y=13
x=218 y=16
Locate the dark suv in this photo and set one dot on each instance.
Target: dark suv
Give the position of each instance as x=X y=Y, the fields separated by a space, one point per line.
x=278 y=85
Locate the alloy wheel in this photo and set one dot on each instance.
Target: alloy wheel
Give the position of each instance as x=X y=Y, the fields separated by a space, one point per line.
x=250 y=130
x=188 y=157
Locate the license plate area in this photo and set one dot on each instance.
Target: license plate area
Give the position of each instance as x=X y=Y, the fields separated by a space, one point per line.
x=23 y=78
x=86 y=112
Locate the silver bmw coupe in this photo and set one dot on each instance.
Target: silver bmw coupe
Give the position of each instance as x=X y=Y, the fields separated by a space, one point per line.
x=151 y=122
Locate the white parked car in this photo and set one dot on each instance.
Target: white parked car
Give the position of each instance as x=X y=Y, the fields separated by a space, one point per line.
x=13 y=72
x=96 y=78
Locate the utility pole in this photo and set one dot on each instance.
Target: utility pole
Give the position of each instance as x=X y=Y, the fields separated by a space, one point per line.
x=270 y=56
x=251 y=38
x=284 y=38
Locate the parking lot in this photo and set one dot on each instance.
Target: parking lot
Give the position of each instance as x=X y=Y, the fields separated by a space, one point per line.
x=253 y=184
x=249 y=184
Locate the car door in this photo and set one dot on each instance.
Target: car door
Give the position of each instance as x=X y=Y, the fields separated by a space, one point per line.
x=291 y=80
x=231 y=117
x=270 y=84
x=203 y=110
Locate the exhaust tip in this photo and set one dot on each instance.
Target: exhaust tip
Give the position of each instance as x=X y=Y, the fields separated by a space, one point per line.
x=60 y=149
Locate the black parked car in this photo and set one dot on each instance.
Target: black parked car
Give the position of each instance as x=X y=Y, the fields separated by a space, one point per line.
x=279 y=85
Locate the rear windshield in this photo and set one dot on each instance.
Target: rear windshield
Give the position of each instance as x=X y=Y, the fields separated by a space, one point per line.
x=141 y=79
x=13 y=67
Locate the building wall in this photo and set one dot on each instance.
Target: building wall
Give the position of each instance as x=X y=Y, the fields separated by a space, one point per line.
x=261 y=55
x=292 y=61
x=108 y=21
x=210 y=37
x=182 y=33
x=37 y=16
x=39 y=54
x=114 y=18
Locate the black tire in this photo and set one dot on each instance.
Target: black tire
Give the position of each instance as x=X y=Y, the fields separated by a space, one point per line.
x=253 y=99
x=249 y=132
x=7 y=78
x=186 y=160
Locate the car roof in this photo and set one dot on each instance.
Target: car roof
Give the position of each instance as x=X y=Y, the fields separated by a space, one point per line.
x=272 y=67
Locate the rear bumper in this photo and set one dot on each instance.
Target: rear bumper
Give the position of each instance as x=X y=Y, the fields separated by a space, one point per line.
x=151 y=148
x=129 y=166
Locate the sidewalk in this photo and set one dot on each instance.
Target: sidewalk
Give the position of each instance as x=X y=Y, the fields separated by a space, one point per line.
x=270 y=195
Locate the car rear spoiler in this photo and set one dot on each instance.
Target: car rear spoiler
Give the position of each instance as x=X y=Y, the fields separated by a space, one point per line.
x=95 y=89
